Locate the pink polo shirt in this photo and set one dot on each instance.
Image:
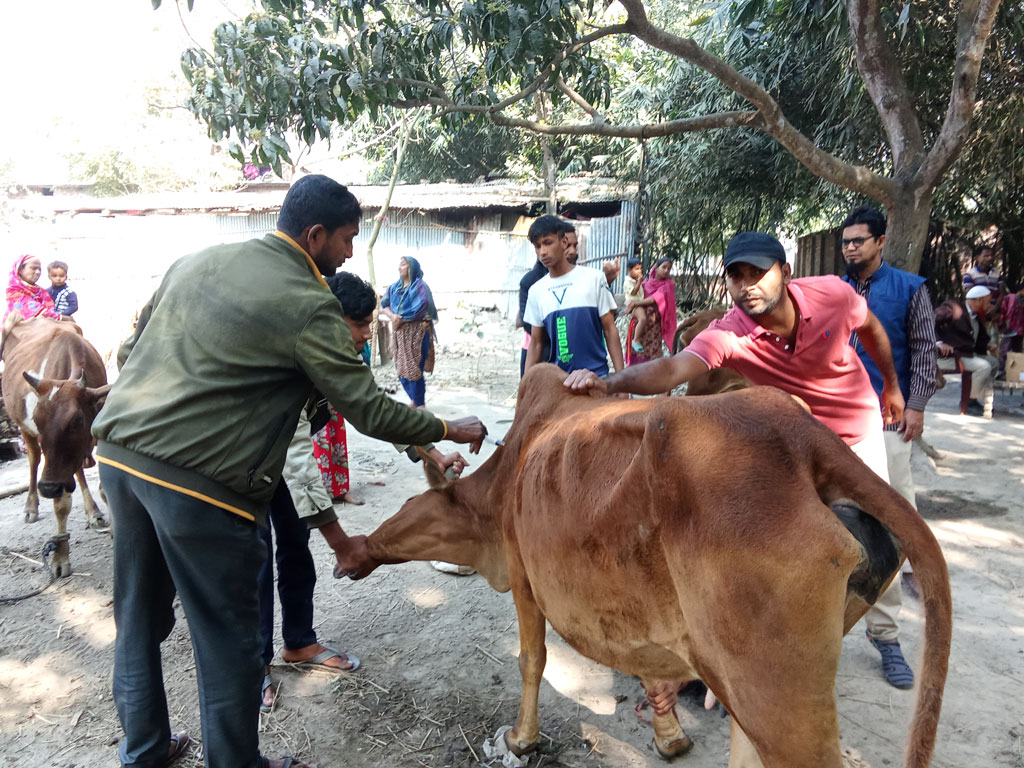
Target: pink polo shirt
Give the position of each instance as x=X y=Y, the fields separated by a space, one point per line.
x=821 y=368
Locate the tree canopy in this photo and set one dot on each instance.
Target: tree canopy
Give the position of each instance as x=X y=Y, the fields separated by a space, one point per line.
x=876 y=99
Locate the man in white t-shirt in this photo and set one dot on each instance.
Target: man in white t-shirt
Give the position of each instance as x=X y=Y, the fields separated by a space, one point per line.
x=570 y=306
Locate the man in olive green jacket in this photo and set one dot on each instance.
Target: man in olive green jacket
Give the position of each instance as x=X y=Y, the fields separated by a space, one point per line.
x=191 y=443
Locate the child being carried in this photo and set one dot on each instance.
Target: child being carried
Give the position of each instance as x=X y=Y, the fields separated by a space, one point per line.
x=633 y=288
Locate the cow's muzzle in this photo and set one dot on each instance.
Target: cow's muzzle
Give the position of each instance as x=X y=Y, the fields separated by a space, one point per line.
x=56 y=490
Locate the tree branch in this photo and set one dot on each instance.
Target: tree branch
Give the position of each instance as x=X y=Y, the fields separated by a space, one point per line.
x=444 y=100
x=885 y=84
x=546 y=72
x=357 y=149
x=404 y=82
x=974 y=27
x=579 y=101
x=650 y=130
x=818 y=161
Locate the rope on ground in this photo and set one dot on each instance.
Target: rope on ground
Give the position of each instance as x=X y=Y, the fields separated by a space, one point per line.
x=48 y=548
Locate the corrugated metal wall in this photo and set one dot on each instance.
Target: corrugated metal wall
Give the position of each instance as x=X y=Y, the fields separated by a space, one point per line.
x=117 y=262
x=600 y=239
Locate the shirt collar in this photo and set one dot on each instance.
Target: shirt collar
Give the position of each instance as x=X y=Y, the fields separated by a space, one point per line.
x=802 y=304
x=309 y=259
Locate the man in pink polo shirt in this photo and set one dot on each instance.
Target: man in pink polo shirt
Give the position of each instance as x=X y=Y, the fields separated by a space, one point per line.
x=785 y=333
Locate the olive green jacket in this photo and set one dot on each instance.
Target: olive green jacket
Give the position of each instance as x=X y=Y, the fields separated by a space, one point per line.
x=224 y=357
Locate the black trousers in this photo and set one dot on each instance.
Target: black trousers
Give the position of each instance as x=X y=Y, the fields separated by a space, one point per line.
x=296 y=577
x=166 y=542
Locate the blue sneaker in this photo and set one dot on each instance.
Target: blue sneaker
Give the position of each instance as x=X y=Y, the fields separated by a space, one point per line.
x=895 y=668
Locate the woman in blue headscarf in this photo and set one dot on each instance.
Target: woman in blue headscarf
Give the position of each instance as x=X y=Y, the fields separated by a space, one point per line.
x=409 y=305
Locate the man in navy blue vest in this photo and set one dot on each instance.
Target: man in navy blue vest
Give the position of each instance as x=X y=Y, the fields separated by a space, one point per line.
x=900 y=301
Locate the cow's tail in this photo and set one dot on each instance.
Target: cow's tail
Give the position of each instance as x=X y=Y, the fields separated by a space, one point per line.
x=855 y=481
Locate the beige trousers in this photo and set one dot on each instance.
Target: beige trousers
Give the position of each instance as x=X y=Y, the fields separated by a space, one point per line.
x=881 y=617
x=898 y=453
x=983 y=369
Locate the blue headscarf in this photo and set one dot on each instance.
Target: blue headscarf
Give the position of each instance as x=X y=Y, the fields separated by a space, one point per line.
x=413 y=301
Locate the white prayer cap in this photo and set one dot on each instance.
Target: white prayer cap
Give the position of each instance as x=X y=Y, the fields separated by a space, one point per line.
x=978 y=292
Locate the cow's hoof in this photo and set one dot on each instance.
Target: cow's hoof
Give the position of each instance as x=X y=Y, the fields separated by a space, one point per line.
x=61 y=569
x=518 y=747
x=98 y=522
x=32 y=516
x=674 y=748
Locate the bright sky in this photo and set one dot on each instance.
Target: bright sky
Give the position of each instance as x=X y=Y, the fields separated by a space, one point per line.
x=75 y=74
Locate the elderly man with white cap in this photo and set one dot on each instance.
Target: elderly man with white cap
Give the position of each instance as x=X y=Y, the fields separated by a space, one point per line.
x=960 y=329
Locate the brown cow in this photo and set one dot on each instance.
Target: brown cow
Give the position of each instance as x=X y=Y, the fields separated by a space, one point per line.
x=682 y=538
x=54 y=384
x=694 y=324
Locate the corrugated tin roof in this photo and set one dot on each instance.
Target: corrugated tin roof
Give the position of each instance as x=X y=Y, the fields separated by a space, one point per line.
x=261 y=197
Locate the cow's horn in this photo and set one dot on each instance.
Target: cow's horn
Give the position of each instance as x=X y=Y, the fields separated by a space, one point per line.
x=100 y=393
x=81 y=381
x=33 y=381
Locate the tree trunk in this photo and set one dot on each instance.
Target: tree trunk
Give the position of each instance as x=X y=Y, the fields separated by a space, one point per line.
x=550 y=169
x=907 y=228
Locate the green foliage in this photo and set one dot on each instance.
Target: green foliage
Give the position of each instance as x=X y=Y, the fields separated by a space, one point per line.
x=122 y=171
x=298 y=69
x=473 y=150
x=111 y=172
x=800 y=51
x=984 y=187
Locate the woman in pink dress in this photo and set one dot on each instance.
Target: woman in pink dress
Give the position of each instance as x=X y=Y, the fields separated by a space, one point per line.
x=660 y=304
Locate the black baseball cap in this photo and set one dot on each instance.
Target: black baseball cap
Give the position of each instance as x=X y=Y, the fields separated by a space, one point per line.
x=755 y=248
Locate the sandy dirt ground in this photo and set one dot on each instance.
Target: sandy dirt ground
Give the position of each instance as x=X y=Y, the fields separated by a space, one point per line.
x=439 y=652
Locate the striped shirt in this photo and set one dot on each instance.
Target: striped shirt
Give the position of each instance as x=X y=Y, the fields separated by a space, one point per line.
x=921 y=345
x=990 y=280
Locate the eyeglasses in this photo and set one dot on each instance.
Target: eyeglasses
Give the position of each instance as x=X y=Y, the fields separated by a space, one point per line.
x=856 y=242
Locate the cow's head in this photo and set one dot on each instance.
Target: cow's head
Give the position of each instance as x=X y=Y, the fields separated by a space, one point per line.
x=455 y=521
x=63 y=413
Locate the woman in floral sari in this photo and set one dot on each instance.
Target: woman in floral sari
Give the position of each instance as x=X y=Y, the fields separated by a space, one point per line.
x=23 y=295
x=660 y=304
x=409 y=305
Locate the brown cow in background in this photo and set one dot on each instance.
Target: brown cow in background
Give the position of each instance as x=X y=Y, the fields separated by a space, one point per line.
x=54 y=384
x=684 y=538
x=694 y=324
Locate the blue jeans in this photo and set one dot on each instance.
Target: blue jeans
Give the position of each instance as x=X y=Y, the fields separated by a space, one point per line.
x=296 y=577
x=165 y=543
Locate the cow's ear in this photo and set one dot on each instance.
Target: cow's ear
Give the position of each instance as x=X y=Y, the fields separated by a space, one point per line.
x=100 y=393
x=39 y=386
x=435 y=475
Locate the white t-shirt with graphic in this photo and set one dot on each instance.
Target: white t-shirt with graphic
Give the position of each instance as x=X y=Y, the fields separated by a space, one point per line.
x=570 y=309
